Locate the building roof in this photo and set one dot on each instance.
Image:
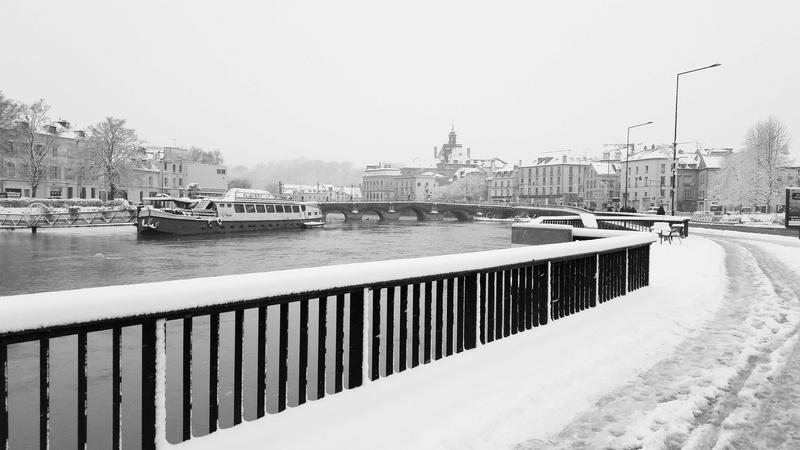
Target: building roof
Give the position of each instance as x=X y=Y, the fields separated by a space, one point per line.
x=604 y=168
x=422 y=163
x=660 y=152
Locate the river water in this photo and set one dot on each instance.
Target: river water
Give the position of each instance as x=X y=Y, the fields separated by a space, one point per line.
x=63 y=259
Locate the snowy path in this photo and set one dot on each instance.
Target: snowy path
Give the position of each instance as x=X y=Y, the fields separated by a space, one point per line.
x=735 y=384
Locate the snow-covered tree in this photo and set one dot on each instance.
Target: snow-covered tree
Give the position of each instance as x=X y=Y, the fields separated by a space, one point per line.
x=34 y=137
x=9 y=114
x=464 y=189
x=115 y=151
x=756 y=175
x=9 y=117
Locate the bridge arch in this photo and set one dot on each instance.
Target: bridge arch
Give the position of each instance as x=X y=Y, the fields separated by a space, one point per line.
x=381 y=213
x=420 y=213
x=346 y=212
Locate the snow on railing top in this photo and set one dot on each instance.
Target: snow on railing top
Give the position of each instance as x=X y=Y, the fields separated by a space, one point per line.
x=41 y=310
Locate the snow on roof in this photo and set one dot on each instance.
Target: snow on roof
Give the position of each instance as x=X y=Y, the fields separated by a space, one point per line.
x=382 y=171
x=464 y=171
x=714 y=161
x=603 y=168
x=660 y=152
x=422 y=163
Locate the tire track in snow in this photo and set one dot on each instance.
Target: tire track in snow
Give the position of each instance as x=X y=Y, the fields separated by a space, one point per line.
x=686 y=399
x=768 y=409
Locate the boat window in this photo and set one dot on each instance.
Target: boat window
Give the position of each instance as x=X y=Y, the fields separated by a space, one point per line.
x=303 y=207
x=238 y=207
x=250 y=208
x=295 y=208
x=279 y=208
x=270 y=208
x=260 y=208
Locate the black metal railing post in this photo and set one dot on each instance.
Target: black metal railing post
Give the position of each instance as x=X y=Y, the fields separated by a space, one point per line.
x=4 y=395
x=149 y=360
x=186 y=379
x=375 y=361
x=416 y=324
x=322 y=336
x=261 y=362
x=302 y=357
x=470 y=311
x=402 y=330
x=44 y=392
x=355 y=367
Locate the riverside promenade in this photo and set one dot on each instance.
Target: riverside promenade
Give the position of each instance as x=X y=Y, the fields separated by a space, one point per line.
x=704 y=357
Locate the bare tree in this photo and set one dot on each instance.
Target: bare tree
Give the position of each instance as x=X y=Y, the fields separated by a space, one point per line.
x=114 y=150
x=756 y=175
x=9 y=117
x=768 y=141
x=34 y=137
x=198 y=155
x=242 y=183
x=9 y=114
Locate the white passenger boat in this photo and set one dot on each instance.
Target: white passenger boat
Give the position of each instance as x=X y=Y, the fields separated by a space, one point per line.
x=238 y=211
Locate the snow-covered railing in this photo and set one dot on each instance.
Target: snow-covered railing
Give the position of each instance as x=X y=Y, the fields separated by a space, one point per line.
x=623 y=222
x=34 y=218
x=202 y=354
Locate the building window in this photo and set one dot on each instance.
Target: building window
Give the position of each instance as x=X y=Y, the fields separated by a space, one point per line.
x=180 y=181
x=54 y=173
x=11 y=170
x=150 y=181
x=55 y=152
x=220 y=171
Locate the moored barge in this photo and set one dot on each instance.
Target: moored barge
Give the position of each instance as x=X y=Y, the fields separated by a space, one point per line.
x=240 y=210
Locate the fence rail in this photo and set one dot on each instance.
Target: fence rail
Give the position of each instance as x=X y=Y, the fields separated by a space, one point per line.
x=626 y=222
x=45 y=219
x=215 y=351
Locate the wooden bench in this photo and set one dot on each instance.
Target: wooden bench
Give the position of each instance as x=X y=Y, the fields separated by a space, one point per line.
x=666 y=232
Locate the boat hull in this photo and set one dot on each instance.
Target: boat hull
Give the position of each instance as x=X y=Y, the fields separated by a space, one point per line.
x=155 y=222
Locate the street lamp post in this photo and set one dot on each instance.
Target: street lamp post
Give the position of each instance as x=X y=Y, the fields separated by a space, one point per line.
x=627 y=156
x=675 y=135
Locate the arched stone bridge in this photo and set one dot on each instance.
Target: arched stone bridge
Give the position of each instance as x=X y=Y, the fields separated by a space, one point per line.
x=437 y=210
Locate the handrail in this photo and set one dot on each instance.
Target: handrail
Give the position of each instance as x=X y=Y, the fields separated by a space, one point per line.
x=624 y=222
x=68 y=219
x=446 y=304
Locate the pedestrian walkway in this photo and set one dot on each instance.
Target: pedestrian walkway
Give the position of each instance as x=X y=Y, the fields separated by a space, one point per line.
x=525 y=390
x=735 y=384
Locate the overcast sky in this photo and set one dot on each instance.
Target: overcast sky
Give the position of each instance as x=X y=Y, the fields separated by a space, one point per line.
x=384 y=81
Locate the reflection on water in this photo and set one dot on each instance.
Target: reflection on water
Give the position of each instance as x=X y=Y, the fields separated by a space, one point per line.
x=53 y=260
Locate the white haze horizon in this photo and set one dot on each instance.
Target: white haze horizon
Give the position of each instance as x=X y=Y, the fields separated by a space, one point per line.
x=362 y=82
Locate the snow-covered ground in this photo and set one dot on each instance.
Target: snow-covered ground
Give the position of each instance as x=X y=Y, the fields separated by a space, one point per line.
x=705 y=357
